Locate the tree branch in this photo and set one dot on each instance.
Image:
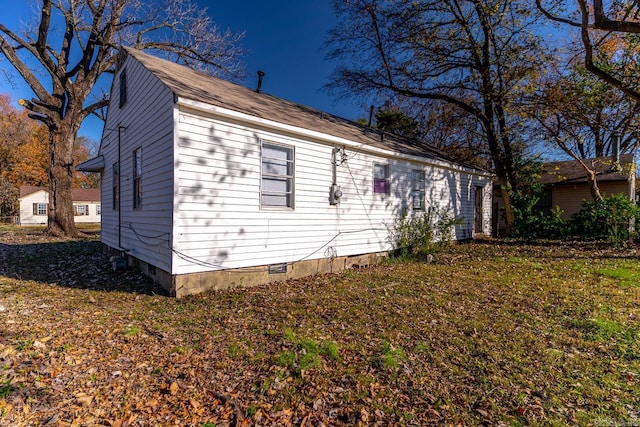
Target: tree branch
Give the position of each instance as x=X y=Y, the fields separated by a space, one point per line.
x=588 y=57
x=555 y=18
x=26 y=72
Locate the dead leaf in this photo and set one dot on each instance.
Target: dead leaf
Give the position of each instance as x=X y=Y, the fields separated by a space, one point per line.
x=84 y=399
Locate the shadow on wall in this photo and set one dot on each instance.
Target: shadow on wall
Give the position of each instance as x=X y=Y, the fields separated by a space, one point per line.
x=210 y=174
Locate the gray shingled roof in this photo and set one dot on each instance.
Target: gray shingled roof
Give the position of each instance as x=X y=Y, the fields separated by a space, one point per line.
x=196 y=86
x=571 y=171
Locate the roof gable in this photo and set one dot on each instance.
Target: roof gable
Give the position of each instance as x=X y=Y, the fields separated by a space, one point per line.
x=196 y=86
x=26 y=190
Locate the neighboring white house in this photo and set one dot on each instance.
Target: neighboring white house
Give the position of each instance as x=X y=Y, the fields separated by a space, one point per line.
x=208 y=184
x=34 y=204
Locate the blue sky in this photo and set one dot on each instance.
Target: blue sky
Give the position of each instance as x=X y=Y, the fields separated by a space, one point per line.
x=284 y=38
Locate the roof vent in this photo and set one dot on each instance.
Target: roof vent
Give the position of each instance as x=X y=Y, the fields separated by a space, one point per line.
x=260 y=76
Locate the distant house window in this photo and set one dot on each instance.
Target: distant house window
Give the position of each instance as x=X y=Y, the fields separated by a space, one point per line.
x=380 y=178
x=137 y=178
x=116 y=186
x=98 y=209
x=417 y=190
x=80 y=210
x=276 y=190
x=39 y=208
x=123 y=89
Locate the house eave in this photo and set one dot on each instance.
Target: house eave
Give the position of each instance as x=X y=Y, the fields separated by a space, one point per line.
x=319 y=136
x=92 y=165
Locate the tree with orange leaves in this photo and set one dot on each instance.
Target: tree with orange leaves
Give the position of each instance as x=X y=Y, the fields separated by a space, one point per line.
x=23 y=156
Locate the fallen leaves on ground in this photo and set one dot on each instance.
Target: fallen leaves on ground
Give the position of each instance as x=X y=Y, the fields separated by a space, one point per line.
x=491 y=333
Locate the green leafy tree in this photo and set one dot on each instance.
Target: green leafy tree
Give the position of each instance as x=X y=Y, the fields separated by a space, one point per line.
x=74 y=44
x=396 y=122
x=477 y=56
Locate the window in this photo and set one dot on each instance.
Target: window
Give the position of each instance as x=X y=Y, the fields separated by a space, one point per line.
x=39 y=208
x=123 y=89
x=98 y=209
x=80 y=210
x=137 y=178
x=276 y=190
x=116 y=186
x=417 y=190
x=380 y=178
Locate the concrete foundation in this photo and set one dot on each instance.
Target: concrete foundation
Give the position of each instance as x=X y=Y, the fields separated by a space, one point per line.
x=187 y=284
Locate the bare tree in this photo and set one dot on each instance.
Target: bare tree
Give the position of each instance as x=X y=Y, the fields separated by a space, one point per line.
x=581 y=114
x=75 y=45
x=478 y=56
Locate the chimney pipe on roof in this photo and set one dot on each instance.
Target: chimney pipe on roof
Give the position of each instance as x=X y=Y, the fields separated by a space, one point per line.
x=615 y=147
x=260 y=76
x=370 y=115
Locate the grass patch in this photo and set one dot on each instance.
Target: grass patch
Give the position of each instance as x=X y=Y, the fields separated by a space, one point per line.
x=131 y=331
x=390 y=356
x=5 y=389
x=623 y=275
x=306 y=353
x=622 y=340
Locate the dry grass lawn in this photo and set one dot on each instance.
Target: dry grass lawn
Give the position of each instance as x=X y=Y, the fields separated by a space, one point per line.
x=491 y=333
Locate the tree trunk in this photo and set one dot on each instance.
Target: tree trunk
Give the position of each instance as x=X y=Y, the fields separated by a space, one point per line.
x=60 y=215
x=509 y=217
x=593 y=186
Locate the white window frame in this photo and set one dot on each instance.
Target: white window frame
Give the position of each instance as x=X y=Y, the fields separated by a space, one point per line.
x=80 y=210
x=98 y=209
x=418 y=184
x=289 y=177
x=41 y=209
x=386 y=179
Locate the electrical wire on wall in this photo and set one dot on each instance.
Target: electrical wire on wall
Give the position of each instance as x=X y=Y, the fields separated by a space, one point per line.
x=202 y=263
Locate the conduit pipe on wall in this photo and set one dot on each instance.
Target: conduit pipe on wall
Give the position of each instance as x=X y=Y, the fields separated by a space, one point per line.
x=334 y=192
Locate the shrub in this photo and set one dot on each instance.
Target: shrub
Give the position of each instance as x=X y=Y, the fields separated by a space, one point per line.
x=419 y=235
x=611 y=219
x=553 y=226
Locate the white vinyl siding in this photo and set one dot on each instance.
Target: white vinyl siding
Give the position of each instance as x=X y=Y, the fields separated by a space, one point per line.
x=220 y=222
x=145 y=121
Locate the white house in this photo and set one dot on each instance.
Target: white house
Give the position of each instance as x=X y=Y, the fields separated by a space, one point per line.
x=209 y=184
x=34 y=204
